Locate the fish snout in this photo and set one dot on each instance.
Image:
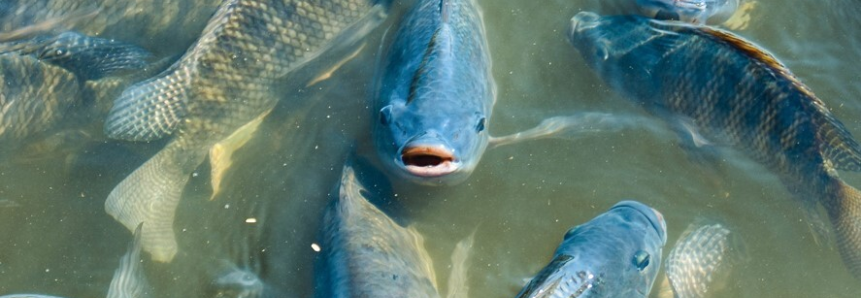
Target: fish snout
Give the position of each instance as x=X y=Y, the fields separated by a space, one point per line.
x=428 y=156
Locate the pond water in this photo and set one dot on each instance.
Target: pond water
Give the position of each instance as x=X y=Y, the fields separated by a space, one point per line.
x=57 y=238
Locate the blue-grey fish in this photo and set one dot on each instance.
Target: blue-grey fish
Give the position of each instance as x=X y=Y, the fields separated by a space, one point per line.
x=59 y=82
x=701 y=254
x=227 y=79
x=367 y=254
x=719 y=88
x=435 y=93
x=616 y=254
x=129 y=280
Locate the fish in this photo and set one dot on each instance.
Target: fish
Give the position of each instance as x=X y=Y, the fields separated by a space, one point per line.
x=702 y=253
x=365 y=253
x=616 y=254
x=165 y=27
x=56 y=83
x=435 y=93
x=228 y=78
x=698 y=12
x=129 y=280
x=712 y=85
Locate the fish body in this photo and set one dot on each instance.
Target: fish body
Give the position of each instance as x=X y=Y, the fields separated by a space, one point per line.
x=435 y=94
x=616 y=254
x=228 y=78
x=58 y=82
x=238 y=283
x=716 y=86
x=699 y=12
x=367 y=254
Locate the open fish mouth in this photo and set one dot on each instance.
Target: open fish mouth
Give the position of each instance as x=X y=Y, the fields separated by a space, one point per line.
x=429 y=160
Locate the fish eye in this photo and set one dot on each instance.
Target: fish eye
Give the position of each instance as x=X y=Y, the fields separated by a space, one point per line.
x=641 y=260
x=480 y=126
x=386 y=115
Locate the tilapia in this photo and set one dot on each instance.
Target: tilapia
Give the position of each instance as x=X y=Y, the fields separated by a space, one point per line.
x=54 y=83
x=616 y=254
x=715 y=86
x=129 y=280
x=364 y=253
x=229 y=77
x=435 y=93
x=167 y=26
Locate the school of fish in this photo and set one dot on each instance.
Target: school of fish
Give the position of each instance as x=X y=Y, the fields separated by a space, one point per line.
x=76 y=75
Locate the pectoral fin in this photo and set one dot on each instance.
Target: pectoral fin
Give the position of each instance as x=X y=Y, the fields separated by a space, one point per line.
x=458 y=286
x=578 y=126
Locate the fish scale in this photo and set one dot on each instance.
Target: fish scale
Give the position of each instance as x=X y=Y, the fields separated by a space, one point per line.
x=738 y=95
x=228 y=78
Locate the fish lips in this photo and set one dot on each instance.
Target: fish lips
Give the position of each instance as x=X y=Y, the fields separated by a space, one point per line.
x=428 y=157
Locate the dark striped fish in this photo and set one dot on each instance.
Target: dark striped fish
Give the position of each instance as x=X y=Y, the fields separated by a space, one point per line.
x=717 y=87
x=129 y=280
x=616 y=254
x=364 y=253
x=435 y=93
x=225 y=81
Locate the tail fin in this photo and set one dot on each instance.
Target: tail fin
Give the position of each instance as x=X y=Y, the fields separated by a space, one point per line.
x=457 y=280
x=844 y=210
x=151 y=194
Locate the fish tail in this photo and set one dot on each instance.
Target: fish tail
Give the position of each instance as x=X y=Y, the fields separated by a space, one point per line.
x=151 y=194
x=457 y=280
x=844 y=210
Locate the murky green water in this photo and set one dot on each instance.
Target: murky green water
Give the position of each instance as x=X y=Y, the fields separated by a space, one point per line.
x=521 y=199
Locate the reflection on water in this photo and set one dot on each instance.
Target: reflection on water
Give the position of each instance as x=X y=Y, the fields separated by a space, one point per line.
x=57 y=238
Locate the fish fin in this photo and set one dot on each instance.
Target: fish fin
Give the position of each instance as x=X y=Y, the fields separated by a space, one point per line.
x=458 y=286
x=151 y=109
x=92 y=58
x=702 y=252
x=578 y=126
x=328 y=73
x=843 y=205
x=151 y=194
x=129 y=279
x=221 y=154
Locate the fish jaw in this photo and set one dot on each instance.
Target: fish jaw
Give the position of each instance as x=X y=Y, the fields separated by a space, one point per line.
x=429 y=158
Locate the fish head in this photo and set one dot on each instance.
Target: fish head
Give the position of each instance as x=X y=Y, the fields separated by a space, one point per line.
x=611 y=46
x=617 y=254
x=432 y=145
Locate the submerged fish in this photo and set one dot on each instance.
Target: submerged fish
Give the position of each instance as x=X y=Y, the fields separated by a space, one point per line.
x=616 y=254
x=59 y=82
x=435 y=93
x=226 y=80
x=697 y=12
x=717 y=87
x=367 y=254
x=238 y=283
x=129 y=280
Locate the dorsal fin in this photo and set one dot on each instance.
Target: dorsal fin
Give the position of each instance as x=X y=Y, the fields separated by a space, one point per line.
x=836 y=143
